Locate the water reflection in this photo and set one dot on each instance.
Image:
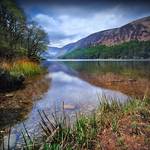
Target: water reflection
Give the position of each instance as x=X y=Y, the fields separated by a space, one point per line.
x=65 y=86
x=132 y=69
x=120 y=76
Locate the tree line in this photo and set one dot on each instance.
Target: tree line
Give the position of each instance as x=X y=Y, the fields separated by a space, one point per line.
x=127 y=50
x=17 y=36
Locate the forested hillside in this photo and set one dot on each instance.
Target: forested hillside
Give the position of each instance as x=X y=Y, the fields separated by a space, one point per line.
x=130 y=50
x=138 y=30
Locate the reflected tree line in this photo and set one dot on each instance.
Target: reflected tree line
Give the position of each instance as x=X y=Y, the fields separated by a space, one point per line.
x=137 y=69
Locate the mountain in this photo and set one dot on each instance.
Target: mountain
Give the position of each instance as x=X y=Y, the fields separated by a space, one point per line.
x=137 y=30
x=133 y=49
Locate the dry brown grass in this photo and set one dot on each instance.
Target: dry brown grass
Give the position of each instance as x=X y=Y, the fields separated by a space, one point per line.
x=131 y=129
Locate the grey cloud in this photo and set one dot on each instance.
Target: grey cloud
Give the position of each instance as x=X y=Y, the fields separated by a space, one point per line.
x=67 y=21
x=85 y=2
x=55 y=36
x=85 y=8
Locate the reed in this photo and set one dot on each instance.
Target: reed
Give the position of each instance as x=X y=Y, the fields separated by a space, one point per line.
x=82 y=135
x=59 y=134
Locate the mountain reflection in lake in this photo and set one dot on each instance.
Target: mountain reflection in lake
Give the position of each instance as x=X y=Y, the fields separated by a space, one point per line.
x=67 y=85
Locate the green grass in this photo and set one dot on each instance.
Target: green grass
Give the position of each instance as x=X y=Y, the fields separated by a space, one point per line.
x=59 y=134
x=13 y=73
x=27 y=68
x=23 y=67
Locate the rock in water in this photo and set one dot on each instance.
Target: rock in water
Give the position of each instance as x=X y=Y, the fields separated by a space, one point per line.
x=69 y=107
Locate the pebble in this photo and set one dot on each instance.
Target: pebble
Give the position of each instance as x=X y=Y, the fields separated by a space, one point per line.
x=69 y=106
x=9 y=95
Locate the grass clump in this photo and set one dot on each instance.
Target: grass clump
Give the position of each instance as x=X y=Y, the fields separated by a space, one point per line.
x=25 y=67
x=59 y=134
x=127 y=120
x=108 y=114
x=13 y=73
x=113 y=121
x=85 y=131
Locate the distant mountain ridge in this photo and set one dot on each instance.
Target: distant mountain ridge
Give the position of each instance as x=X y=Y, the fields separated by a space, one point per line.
x=136 y=30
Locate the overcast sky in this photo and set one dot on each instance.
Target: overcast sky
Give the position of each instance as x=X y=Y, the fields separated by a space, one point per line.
x=67 y=21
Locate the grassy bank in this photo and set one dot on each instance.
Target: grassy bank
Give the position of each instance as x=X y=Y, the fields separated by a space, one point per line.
x=24 y=67
x=112 y=126
x=124 y=126
x=13 y=73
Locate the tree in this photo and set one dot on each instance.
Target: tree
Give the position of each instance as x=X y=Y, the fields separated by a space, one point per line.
x=12 y=23
x=17 y=37
x=37 y=40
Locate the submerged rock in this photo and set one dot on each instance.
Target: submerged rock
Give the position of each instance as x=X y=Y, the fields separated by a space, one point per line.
x=9 y=95
x=69 y=107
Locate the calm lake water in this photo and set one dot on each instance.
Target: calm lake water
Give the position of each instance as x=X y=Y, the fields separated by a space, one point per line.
x=68 y=86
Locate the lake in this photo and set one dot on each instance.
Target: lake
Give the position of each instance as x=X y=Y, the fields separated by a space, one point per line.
x=79 y=86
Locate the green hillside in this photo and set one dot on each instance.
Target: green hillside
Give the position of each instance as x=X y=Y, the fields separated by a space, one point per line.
x=127 y=50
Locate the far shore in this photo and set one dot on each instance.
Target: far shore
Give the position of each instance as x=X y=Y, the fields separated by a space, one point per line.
x=97 y=59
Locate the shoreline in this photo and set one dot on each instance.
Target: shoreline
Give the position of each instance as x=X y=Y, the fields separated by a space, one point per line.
x=16 y=105
x=119 y=60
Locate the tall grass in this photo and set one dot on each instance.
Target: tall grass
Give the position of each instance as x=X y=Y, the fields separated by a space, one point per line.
x=25 y=67
x=59 y=134
x=22 y=67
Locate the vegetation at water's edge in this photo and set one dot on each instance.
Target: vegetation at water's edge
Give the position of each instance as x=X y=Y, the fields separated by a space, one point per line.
x=12 y=74
x=114 y=125
x=19 y=39
x=127 y=50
